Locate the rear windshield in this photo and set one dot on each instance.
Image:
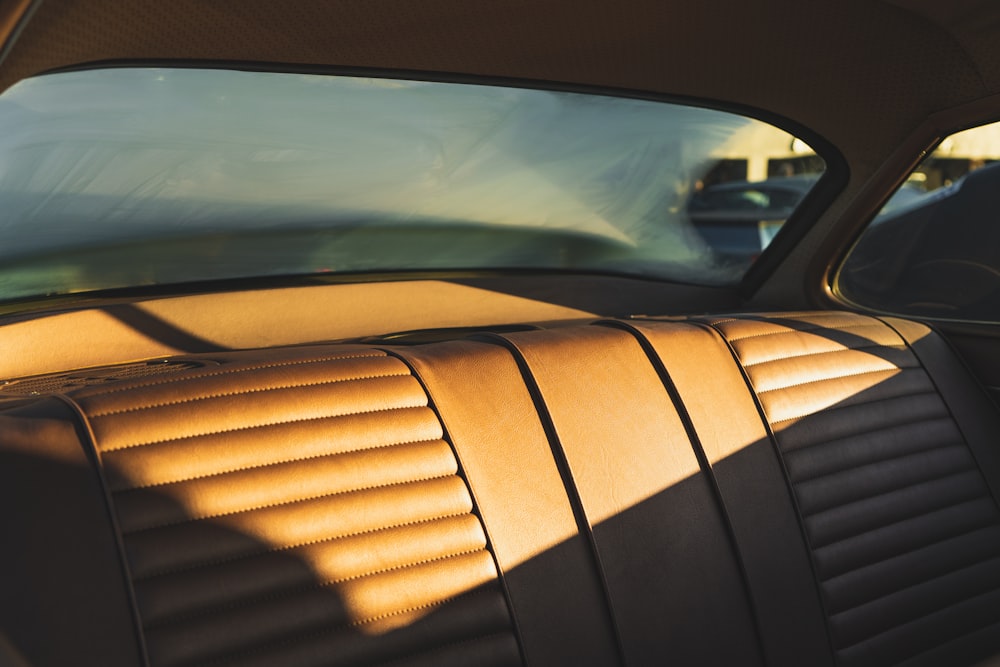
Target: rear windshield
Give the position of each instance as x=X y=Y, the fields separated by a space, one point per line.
x=128 y=177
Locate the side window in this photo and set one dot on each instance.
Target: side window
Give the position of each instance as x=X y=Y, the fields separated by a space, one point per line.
x=934 y=249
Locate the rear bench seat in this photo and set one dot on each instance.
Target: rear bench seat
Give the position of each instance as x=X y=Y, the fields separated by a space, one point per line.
x=794 y=489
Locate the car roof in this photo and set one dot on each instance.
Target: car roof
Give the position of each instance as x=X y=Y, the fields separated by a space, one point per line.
x=861 y=73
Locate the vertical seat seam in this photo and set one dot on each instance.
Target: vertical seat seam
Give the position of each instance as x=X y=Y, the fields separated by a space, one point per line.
x=784 y=469
x=94 y=455
x=569 y=483
x=703 y=462
x=990 y=484
x=446 y=436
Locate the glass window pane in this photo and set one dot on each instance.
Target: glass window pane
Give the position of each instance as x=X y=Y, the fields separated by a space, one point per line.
x=934 y=250
x=143 y=176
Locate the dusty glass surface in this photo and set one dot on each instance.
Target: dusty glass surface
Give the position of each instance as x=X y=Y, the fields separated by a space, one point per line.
x=934 y=249
x=137 y=176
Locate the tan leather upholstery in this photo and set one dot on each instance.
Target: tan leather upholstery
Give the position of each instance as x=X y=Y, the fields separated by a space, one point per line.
x=285 y=510
x=554 y=588
x=727 y=426
x=780 y=490
x=903 y=529
x=62 y=593
x=641 y=487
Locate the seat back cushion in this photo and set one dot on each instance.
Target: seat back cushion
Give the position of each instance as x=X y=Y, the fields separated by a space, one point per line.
x=902 y=527
x=297 y=508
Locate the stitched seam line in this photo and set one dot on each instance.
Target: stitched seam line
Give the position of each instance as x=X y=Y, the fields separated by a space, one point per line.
x=772 y=444
x=231 y=371
x=482 y=522
x=912 y=517
x=900 y=348
x=397 y=568
x=970 y=466
x=284 y=503
x=897 y=369
x=446 y=647
x=875 y=432
x=720 y=499
x=790 y=330
x=965 y=632
x=243 y=392
x=270 y=464
x=337 y=629
x=864 y=464
x=908 y=487
x=932 y=613
x=95 y=465
x=428 y=605
x=929 y=545
x=323 y=540
x=993 y=554
x=854 y=405
x=311 y=586
x=105 y=450
x=971 y=498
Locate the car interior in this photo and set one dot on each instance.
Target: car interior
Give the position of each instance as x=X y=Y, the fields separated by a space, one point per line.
x=379 y=333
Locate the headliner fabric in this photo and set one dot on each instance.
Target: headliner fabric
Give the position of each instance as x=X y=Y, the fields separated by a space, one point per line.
x=896 y=67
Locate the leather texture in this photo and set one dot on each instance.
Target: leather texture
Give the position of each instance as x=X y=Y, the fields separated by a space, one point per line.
x=62 y=593
x=903 y=530
x=785 y=489
x=668 y=564
x=298 y=510
x=747 y=472
x=547 y=565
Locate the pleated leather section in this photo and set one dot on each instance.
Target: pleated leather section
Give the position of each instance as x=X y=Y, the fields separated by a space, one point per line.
x=904 y=533
x=298 y=510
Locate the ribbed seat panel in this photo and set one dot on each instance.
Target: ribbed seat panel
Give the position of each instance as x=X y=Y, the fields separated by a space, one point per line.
x=303 y=511
x=904 y=533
